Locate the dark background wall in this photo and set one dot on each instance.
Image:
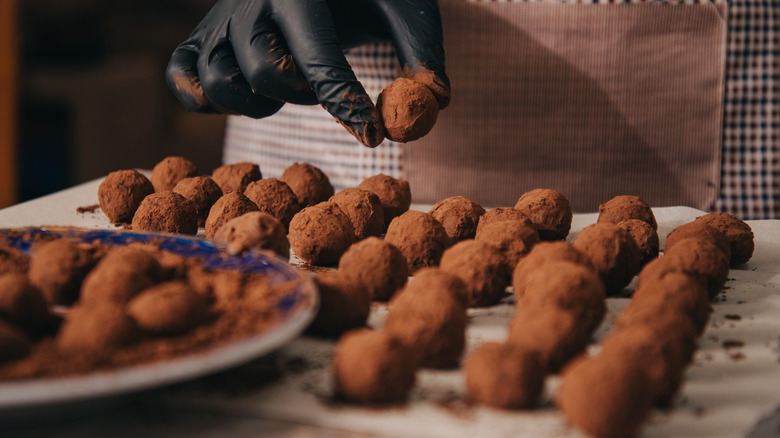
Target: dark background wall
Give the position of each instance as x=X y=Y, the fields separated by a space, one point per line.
x=92 y=92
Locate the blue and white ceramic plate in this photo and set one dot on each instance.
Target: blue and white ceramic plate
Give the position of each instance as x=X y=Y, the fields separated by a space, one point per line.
x=297 y=307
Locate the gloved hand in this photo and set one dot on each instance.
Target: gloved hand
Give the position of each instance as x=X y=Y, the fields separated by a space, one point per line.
x=251 y=56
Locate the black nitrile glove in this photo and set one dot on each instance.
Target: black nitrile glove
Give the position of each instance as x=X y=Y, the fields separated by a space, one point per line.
x=251 y=56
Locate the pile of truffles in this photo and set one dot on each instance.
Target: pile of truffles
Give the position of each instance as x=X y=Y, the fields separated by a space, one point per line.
x=73 y=307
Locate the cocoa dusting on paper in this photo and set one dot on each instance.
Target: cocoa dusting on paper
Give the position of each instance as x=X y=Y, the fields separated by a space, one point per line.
x=87 y=208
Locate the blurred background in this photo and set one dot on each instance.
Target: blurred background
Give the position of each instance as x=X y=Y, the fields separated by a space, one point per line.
x=83 y=93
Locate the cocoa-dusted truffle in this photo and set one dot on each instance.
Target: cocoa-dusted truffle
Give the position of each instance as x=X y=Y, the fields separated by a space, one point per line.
x=96 y=329
x=344 y=304
x=394 y=194
x=555 y=335
x=738 y=233
x=168 y=308
x=373 y=367
x=202 y=191
x=604 y=398
x=275 y=198
x=482 y=268
x=695 y=257
x=409 y=110
x=14 y=343
x=700 y=230
x=236 y=177
x=57 y=268
x=672 y=326
x=613 y=253
x=459 y=216
x=119 y=276
x=168 y=172
x=568 y=286
x=513 y=238
x=675 y=292
x=420 y=237
x=641 y=347
x=429 y=316
x=624 y=207
x=549 y=211
x=320 y=234
x=504 y=376
x=645 y=236
x=308 y=182
x=499 y=214
x=377 y=266
x=541 y=254
x=166 y=212
x=364 y=210
x=230 y=206
x=255 y=230
x=121 y=193
x=13 y=261
x=23 y=304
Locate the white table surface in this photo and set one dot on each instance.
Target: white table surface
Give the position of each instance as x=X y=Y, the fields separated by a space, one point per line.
x=728 y=392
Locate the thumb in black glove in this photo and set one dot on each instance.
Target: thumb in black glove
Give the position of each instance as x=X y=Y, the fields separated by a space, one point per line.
x=251 y=56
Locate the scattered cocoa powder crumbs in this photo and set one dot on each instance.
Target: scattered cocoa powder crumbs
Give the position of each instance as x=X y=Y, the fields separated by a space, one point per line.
x=733 y=317
x=736 y=356
x=732 y=343
x=87 y=208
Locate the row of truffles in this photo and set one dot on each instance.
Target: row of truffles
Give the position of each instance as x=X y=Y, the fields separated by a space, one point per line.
x=113 y=296
x=641 y=364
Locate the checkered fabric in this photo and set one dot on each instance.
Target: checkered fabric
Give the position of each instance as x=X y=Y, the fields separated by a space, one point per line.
x=750 y=171
x=309 y=134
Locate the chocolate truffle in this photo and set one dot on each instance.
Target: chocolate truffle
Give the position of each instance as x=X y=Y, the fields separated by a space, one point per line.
x=96 y=329
x=364 y=210
x=672 y=326
x=255 y=230
x=119 y=276
x=504 y=376
x=168 y=172
x=513 y=238
x=166 y=212
x=549 y=211
x=420 y=237
x=409 y=110
x=624 y=207
x=541 y=254
x=604 y=398
x=645 y=236
x=429 y=316
x=499 y=214
x=236 y=177
x=121 y=193
x=568 y=286
x=640 y=347
x=459 y=217
x=202 y=191
x=613 y=253
x=14 y=343
x=57 y=268
x=321 y=233
x=275 y=198
x=344 y=304
x=675 y=292
x=737 y=232
x=230 y=206
x=168 y=309
x=699 y=230
x=394 y=194
x=699 y=258
x=309 y=183
x=373 y=367
x=23 y=304
x=377 y=266
x=13 y=261
x=555 y=335
x=481 y=267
